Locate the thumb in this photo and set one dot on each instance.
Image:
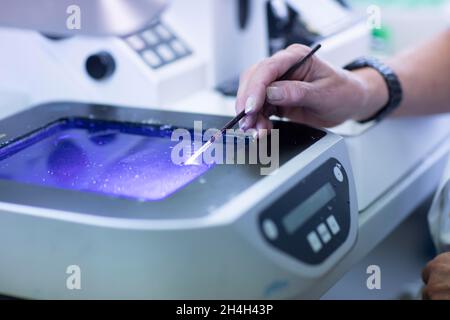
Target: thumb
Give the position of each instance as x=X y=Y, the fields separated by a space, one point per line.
x=289 y=93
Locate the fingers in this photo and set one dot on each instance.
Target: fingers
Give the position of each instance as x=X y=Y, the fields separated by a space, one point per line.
x=263 y=125
x=250 y=120
x=438 y=265
x=253 y=85
x=290 y=94
x=438 y=290
x=243 y=81
x=436 y=276
x=264 y=74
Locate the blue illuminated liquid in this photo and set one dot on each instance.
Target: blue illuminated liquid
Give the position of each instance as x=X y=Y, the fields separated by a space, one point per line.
x=107 y=159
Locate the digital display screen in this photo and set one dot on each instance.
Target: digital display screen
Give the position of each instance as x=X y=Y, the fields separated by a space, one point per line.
x=111 y=158
x=297 y=217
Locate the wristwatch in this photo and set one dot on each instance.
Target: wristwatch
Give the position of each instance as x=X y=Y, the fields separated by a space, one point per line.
x=392 y=82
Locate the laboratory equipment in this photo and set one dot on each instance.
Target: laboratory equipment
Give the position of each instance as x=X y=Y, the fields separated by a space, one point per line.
x=92 y=186
x=188 y=60
x=241 y=115
x=102 y=18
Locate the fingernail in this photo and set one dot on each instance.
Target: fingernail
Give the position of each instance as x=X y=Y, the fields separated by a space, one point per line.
x=275 y=94
x=243 y=124
x=255 y=134
x=250 y=104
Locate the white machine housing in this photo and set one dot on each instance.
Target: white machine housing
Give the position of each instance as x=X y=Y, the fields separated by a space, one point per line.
x=214 y=49
x=221 y=255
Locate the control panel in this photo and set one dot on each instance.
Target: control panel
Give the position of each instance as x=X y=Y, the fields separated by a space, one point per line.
x=158 y=45
x=311 y=220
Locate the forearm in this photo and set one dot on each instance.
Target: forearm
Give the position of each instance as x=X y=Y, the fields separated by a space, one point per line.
x=424 y=73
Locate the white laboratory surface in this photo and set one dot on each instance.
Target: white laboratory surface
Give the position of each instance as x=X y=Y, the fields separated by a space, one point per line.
x=395 y=165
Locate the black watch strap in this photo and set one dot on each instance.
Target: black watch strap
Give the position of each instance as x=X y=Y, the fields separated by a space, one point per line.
x=392 y=82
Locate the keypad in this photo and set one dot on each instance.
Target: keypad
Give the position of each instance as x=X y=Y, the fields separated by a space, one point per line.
x=323 y=234
x=158 y=46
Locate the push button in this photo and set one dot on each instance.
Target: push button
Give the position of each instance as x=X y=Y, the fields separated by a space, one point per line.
x=314 y=241
x=338 y=174
x=136 y=43
x=178 y=47
x=151 y=58
x=324 y=233
x=166 y=53
x=163 y=32
x=150 y=37
x=333 y=225
x=270 y=229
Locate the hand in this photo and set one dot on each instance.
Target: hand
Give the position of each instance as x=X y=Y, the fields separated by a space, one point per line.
x=318 y=94
x=436 y=277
